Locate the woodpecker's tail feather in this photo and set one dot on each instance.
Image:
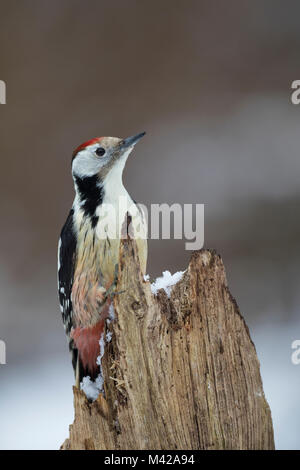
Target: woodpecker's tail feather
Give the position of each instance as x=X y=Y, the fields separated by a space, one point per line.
x=85 y=348
x=79 y=370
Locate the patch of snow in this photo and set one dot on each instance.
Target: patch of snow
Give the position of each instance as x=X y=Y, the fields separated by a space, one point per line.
x=108 y=337
x=166 y=282
x=111 y=312
x=146 y=277
x=102 y=346
x=90 y=388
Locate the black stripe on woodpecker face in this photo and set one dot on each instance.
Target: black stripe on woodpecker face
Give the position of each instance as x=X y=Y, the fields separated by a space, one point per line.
x=91 y=195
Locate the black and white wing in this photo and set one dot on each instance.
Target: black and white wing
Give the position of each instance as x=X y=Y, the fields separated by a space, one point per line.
x=66 y=267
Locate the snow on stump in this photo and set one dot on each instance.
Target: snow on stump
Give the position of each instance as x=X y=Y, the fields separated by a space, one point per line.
x=180 y=370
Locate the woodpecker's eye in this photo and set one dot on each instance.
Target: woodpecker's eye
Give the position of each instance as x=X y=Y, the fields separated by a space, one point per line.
x=100 y=151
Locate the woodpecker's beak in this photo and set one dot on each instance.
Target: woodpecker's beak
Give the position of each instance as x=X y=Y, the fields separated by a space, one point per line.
x=131 y=141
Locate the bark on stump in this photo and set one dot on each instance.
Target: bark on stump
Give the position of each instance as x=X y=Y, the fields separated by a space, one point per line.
x=180 y=373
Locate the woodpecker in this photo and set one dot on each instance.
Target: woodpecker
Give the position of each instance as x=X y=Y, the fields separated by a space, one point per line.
x=88 y=249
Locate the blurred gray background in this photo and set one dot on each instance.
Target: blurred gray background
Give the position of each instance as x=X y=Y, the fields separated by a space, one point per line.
x=210 y=83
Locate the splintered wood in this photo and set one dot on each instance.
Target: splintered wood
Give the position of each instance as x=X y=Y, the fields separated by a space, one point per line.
x=180 y=372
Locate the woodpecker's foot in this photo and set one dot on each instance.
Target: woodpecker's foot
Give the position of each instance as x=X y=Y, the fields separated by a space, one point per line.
x=110 y=293
x=116 y=293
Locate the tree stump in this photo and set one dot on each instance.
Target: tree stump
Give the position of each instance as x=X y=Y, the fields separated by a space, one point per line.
x=179 y=372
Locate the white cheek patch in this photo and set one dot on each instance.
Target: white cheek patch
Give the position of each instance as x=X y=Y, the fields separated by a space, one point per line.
x=86 y=164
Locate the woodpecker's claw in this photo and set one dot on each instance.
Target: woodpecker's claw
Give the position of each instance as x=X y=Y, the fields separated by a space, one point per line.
x=116 y=293
x=110 y=293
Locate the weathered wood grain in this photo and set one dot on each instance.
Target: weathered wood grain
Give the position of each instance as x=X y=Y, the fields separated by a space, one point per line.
x=180 y=373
